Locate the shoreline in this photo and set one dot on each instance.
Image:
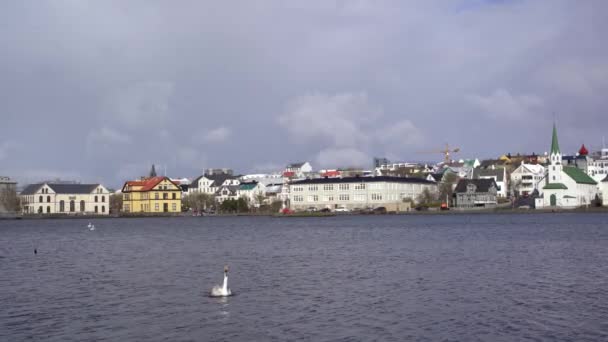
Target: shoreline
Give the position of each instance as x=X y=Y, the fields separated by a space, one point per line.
x=509 y=211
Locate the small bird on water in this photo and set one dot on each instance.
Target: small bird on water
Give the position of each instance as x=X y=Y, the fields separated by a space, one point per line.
x=35 y=251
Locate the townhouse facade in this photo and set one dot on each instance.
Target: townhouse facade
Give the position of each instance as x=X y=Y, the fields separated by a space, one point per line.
x=65 y=198
x=351 y=193
x=152 y=196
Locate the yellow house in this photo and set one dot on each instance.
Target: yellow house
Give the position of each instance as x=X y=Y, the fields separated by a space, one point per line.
x=152 y=195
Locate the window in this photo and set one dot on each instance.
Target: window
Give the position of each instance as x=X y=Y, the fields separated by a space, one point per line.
x=360 y=197
x=72 y=206
x=96 y=209
x=156 y=195
x=298 y=198
x=360 y=186
x=81 y=205
x=48 y=199
x=376 y=197
x=103 y=208
x=328 y=198
x=156 y=206
x=313 y=188
x=103 y=199
x=48 y=209
x=40 y=199
x=61 y=206
x=165 y=195
x=174 y=206
x=127 y=207
x=126 y=197
x=174 y=196
x=343 y=187
x=344 y=197
x=328 y=187
x=96 y=199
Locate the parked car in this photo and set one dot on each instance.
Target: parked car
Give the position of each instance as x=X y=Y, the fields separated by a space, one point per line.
x=311 y=209
x=325 y=210
x=380 y=210
x=342 y=210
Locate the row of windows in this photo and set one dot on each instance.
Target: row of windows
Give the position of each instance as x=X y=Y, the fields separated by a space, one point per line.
x=72 y=205
x=355 y=197
x=48 y=198
x=359 y=186
x=145 y=196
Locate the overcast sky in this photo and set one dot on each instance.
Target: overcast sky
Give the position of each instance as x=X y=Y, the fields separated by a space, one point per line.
x=98 y=90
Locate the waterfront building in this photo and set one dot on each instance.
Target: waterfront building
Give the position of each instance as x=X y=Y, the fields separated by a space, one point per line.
x=476 y=193
x=392 y=193
x=226 y=192
x=526 y=178
x=252 y=191
x=499 y=175
x=211 y=181
x=152 y=195
x=604 y=191
x=65 y=198
x=565 y=186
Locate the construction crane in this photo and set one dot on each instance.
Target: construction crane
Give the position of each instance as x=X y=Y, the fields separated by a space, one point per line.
x=446 y=152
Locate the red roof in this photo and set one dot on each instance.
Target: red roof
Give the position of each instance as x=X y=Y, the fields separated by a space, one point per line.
x=583 y=151
x=331 y=174
x=288 y=174
x=147 y=184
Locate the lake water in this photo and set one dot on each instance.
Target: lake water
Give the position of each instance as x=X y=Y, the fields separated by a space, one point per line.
x=536 y=277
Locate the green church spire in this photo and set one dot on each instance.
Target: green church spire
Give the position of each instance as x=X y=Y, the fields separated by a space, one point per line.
x=554 y=143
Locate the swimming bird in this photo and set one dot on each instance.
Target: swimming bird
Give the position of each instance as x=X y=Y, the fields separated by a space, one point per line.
x=222 y=291
x=91 y=226
x=35 y=251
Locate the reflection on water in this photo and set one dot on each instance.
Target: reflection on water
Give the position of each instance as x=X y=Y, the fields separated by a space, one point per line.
x=428 y=278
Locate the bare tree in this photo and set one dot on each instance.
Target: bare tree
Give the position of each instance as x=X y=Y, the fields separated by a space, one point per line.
x=116 y=203
x=9 y=201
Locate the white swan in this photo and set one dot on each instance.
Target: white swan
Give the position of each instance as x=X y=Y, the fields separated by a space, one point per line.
x=221 y=291
x=91 y=226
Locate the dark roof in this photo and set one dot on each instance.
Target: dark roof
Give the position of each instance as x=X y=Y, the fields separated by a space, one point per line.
x=498 y=173
x=232 y=188
x=61 y=188
x=31 y=189
x=437 y=176
x=363 y=180
x=218 y=179
x=295 y=165
x=605 y=179
x=483 y=185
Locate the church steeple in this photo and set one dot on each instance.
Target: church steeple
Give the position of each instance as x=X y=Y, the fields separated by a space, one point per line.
x=554 y=142
x=153 y=171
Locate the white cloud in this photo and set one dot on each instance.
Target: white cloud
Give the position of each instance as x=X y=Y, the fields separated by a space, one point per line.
x=342 y=157
x=337 y=120
x=142 y=104
x=345 y=127
x=217 y=135
x=503 y=105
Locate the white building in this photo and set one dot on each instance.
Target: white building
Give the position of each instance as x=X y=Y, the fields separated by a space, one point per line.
x=499 y=175
x=565 y=186
x=252 y=191
x=211 y=183
x=50 y=198
x=297 y=170
x=357 y=192
x=526 y=178
x=604 y=191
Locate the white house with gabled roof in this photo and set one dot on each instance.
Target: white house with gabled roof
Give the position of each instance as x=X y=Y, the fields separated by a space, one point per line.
x=65 y=198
